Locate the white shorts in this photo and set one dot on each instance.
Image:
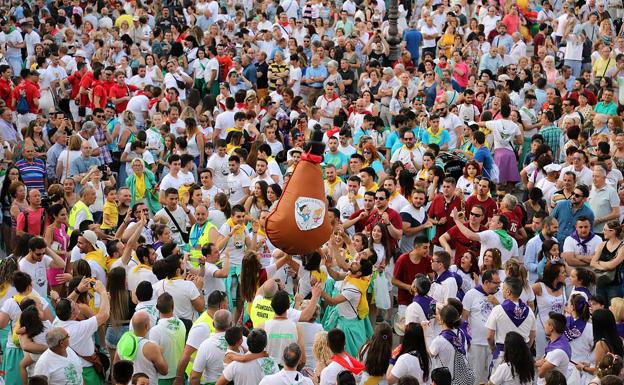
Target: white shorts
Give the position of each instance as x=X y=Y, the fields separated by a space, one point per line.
x=479 y=357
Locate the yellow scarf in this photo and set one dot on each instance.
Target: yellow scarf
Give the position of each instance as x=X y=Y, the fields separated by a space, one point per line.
x=374 y=187
x=240 y=231
x=4 y=289
x=139 y=183
x=436 y=137
x=141 y=266
x=320 y=276
x=99 y=257
x=362 y=285
x=393 y=195
x=229 y=148
x=18 y=298
x=332 y=185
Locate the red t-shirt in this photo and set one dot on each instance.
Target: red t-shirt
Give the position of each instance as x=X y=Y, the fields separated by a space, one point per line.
x=99 y=90
x=460 y=243
x=5 y=91
x=32 y=93
x=440 y=209
x=117 y=92
x=225 y=64
x=359 y=225
x=74 y=81
x=393 y=216
x=515 y=222
x=405 y=271
x=86 y=82
x=489 y=206
x=34 y=222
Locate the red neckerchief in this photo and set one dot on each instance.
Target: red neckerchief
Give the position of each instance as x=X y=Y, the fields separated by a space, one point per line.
x=353 y=365
x=284 y=24
x=151 y=102
x=334 y=97
x=332 y=131
x=241 y=106
x=140 y=92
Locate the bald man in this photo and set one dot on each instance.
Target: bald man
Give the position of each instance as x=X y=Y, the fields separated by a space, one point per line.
x=149 y=358
x=59 y=364
x=32 y=169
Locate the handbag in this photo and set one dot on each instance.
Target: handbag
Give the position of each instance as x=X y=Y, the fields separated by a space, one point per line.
x=382 y=292
x=604 y=277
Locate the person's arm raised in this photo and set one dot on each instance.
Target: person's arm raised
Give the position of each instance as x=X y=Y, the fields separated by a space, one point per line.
x=104 y=312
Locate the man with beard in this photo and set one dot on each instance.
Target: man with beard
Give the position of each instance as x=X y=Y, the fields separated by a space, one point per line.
x=440 y=209
x=534 y=245
x=411 y=154
x=579 y=247
x=335 y=157
x=360 y=217
x=415 y=221
x=396 y=201
x=455 y=240
x=334 y=186
x=482 y=198
x=451 y=123
x=567 y=212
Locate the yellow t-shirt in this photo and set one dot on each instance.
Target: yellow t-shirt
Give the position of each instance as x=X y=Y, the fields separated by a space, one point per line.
x=111 y=215
x=602 y=66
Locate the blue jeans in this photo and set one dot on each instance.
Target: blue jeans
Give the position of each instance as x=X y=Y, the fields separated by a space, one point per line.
x=576 y=66
x=113 y=335
x=610 y=291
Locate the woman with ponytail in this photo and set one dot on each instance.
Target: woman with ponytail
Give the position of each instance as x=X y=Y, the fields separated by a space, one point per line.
x=580 y=334
x=550 y=296
x=449 y=342
x=582 y=279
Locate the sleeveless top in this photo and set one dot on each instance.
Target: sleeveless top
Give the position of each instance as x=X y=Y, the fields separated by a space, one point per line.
x=606 y=256
x=548 y=302
x=280 y=333
x=193 y=148
x=143 y=365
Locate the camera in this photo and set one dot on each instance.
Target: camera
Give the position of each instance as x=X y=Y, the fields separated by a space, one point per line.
x=105 y=172
x=46 y=200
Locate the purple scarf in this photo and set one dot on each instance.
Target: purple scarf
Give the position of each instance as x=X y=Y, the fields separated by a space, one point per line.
x=620 y=328
x=582 y=242
x=458 y=280
x=157 y=245
x=583 y=290
x=425 y=303
x=516 y=313
x=574 y=328
x=479 y=288
x=457 y=340
x=464 y=329
x=560 y=343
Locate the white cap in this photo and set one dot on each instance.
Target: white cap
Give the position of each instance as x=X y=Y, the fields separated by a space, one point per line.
x=553 y=167
x=91 y=237
x=81 y=53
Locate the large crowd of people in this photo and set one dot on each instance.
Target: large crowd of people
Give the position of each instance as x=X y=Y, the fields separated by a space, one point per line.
x=473 y=183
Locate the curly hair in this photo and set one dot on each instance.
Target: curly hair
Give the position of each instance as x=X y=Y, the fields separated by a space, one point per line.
x=320 y=349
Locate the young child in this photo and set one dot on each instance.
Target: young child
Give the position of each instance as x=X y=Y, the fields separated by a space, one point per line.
x=111 y=213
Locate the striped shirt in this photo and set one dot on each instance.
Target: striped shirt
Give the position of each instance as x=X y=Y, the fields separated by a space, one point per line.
x=276 y=68
x=32 y=173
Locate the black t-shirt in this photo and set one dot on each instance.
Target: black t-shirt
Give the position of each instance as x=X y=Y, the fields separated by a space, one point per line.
x=262 y=81
x=349 y=75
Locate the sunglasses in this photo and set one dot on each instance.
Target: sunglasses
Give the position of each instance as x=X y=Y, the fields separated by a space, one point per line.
x=476 y=215
x=380 y=198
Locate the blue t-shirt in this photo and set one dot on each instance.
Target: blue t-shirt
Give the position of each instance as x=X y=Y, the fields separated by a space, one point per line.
x=337 y=160
x=444 y=137
x=413 y=38
x=484 y=157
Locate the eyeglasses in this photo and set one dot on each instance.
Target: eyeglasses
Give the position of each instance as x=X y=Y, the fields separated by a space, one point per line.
x=366 y=152
x=476 y=215
x=380 y=198
x=578 y=195
x=99 y=116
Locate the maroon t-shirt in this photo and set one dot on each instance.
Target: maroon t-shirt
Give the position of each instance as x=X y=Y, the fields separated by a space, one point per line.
x=460 y=243
x=441 y=209
x=405 y=271
x=489 y=205
x=393 y=216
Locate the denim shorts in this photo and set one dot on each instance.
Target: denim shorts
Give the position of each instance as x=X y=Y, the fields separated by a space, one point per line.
x=114 y=333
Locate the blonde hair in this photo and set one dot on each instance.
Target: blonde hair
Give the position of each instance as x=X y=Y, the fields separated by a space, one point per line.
x=513 y=268
x=617 y=304
x=320 y=349
x=75 y=143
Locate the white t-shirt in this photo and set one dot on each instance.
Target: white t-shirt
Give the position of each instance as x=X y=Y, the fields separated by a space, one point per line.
x=169 y=334
x=224 y=121
x=489 y=239
x=236 y=244
x=37 y=272
x=442 y=353
x=560 y=360
x=211 y=283
x=426 y=30
x=236 y=185
x=330 y=373
x=181 y=219
x=582 y=177
x=11 y=308
x=503 y=132
x=220 y=170
x=348 y=308
x=479 y=311
x=209 y=194
x=209 y=358
x=500 y=322
x=502 y=375
x=138 y=105
x=286 y=377
x=138 y=276
x=295 y=75
x=80 y=336
x=183 y=292
x=250 y=373
x=409 y=365
x=571 y=245
x=171 y=181
x=441 y=292
x=59 y=369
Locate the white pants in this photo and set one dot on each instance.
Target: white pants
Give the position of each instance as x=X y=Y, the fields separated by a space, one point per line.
x=479 y=357
x=46 y=102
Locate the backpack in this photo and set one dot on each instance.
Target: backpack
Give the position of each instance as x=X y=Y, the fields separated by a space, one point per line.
x=22 y=106
x=463 y=374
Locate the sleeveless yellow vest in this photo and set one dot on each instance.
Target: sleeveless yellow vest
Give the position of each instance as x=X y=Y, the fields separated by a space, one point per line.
x=362 y=285
x=204 y=318
x=261 y=311
x=203 y=240
x=78 y=207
